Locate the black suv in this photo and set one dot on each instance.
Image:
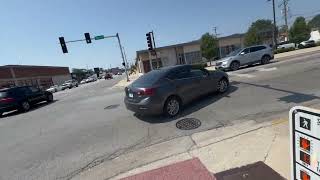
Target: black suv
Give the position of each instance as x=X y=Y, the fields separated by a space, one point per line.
x=22 y=98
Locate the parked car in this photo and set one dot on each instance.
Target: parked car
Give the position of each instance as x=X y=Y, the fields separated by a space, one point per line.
x=83 y=81
x=70 y=84
x=166 y=90
x=286 y=45
x=22 y=98
x=246 y=56
x=307 y=44
x=88 y=80
x=54 y=89
x=108 y=76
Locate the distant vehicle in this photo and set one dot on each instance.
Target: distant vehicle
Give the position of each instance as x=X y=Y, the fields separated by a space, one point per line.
x=307 y=44
x=22 y=98
x=108 y=76
x=166 y=90
x=54 y=89
x=286 y=45
x=83 y=81
x=246 y=56
x=70 y=84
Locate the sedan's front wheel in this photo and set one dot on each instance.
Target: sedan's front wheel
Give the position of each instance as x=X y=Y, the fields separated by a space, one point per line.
x=49 y=98
x=223 y=85
x=172 y=107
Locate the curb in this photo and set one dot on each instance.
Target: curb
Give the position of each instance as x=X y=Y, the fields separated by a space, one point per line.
x=169 y=151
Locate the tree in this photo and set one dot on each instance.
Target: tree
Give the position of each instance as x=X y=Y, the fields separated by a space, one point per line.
x=299 y=31
x=209 y=46
x=82 y=73
x=259 y=32
x=315 y=22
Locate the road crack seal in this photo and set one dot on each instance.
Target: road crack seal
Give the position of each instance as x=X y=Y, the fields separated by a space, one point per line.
x=269 y=149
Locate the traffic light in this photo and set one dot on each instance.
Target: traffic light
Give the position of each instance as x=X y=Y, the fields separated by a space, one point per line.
x=149 y=41
x=88 y=38
x=123 y=64
x=63 y=45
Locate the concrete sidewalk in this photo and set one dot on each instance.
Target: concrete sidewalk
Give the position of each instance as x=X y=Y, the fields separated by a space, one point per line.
x=243 y=143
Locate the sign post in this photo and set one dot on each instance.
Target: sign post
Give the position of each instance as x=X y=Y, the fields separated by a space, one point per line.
x=305 y=143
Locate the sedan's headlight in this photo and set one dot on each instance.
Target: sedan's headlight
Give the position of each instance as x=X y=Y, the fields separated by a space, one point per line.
x=225 y=62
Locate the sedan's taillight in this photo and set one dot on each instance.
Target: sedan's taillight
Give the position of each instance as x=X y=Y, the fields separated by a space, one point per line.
x=146 y=91
x=7 y=100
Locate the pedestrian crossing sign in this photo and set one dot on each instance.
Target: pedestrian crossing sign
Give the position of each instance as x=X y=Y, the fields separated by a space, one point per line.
x=305 y=143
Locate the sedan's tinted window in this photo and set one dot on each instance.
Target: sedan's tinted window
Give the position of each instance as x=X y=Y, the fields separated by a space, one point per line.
x=150 y=78
x=179 y=74
x=197 y=73
x=33 y=89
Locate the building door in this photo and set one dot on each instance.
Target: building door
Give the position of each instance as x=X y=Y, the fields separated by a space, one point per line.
x=146 y=66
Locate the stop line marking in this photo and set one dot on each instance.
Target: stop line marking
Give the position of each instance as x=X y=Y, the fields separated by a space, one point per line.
x=242 y=75
x=267 y=69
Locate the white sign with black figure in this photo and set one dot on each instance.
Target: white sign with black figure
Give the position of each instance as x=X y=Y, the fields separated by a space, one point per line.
x=305 y=143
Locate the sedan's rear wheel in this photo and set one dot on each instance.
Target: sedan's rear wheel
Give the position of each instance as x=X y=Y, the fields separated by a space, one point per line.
x=234 y=66
x=172 y=106
x=223 y=85
x=25 y=106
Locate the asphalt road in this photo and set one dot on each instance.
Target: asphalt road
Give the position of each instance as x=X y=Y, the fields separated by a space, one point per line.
x=89 y=125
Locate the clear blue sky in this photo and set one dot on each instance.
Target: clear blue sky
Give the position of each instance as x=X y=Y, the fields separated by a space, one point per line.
x=30 y=29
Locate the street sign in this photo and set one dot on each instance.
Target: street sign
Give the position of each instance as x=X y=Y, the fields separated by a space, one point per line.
x=305 y=143
x=99 y=37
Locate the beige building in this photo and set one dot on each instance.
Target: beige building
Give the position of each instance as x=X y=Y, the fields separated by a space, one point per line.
x=185 y=53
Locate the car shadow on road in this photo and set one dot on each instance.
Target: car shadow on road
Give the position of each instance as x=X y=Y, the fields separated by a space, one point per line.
x=294 y=97
x=190 y=108
x=33 y=107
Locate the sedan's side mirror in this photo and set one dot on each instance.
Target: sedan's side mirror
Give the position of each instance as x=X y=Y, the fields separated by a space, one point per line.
x=242 y=53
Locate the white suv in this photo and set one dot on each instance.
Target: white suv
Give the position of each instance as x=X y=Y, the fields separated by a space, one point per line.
x=246 y=56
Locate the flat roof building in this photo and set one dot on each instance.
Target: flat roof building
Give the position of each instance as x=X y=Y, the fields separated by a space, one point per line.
x=39 y=76
x=184 y=53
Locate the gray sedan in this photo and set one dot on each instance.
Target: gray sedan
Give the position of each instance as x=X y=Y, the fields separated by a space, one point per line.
x=166 y=90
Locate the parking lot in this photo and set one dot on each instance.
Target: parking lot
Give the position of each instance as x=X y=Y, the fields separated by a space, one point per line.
x=90 y=124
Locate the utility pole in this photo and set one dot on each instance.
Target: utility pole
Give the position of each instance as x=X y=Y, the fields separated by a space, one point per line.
x=120 y=46
x=125 y=58
x=216 y=34
x=285 y=14
x=274 y=24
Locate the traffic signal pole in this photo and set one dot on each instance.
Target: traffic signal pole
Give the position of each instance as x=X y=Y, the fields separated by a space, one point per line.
x=120 y=46
x=65 y=50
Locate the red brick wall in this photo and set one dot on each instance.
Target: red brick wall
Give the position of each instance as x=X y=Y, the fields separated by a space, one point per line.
x=23 y=72
x=5 y=73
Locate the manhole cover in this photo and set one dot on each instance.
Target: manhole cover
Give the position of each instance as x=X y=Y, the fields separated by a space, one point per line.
x=112 y=106
x=188 y=124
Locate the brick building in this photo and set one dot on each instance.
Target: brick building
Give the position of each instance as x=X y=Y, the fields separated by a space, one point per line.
x=40 y=76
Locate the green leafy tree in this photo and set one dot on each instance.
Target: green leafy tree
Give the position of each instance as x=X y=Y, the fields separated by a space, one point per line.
x=299 y=31
x=209 y=46
x=259 y=32
x=315 y=22
x=82 y=73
